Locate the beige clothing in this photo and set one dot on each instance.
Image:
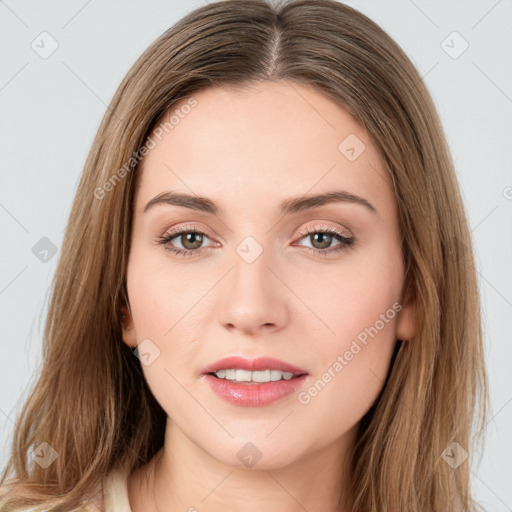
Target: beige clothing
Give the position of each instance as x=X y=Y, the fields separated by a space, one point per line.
x=115 y=492
x=112 y=497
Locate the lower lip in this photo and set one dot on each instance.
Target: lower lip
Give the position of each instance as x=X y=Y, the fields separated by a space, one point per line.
x=253 y=394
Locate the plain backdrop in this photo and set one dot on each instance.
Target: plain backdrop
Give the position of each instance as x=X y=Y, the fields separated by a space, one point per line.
x=60 y=64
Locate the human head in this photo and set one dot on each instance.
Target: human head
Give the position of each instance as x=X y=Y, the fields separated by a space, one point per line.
x=248 y=289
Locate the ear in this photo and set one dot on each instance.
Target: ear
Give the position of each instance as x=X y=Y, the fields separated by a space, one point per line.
x=129 y=335
x=407 y=320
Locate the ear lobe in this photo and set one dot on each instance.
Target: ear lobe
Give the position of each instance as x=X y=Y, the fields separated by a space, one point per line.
x=128 y=329
x=406 y=325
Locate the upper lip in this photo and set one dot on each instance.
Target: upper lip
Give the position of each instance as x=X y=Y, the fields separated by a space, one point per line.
x=260 y=363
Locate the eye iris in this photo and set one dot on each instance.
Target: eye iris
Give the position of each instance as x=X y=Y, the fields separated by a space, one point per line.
x=196 y=240
x=321 y=235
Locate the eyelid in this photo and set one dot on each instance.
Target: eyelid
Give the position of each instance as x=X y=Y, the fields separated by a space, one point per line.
x=187 y=228
x=325 y=228
x=302 y=233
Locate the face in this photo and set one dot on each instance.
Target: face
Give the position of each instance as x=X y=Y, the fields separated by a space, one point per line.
x=318 y=286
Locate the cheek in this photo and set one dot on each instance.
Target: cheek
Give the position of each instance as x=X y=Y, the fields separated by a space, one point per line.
x=351 y=296
x=163 y=312
x=164 y=298
x=351 y=367
x=170 y=306
x=358 y=305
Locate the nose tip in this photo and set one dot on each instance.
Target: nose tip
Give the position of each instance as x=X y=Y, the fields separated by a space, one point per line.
x=253 y=299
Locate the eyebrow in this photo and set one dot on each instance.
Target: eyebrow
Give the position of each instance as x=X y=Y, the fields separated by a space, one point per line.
x=288 y=206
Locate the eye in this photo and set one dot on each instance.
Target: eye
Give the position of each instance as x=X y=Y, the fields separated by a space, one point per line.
x=189 y=237
x=326 y=236
x=191 y=240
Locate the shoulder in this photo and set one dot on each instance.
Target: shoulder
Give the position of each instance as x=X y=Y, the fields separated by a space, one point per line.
x=111 y=495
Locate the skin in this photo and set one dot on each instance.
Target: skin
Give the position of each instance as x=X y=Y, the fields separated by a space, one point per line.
x=248 y=151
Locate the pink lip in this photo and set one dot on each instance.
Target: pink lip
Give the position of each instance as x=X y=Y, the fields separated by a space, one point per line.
x=252 y=394
x=261 y=363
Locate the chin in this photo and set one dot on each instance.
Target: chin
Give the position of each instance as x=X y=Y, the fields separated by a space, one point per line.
x=256 y=453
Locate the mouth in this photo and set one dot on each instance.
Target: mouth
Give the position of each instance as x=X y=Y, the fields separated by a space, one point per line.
x=255 y=382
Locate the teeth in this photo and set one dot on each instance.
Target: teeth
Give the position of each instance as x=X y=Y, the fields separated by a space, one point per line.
x=257 y=376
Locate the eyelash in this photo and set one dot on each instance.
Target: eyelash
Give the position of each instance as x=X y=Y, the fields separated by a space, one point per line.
x=346 y=242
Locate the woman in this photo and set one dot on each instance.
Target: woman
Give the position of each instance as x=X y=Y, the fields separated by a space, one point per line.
x=267 y=292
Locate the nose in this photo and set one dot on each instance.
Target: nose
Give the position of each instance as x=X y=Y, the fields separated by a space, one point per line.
x=254 y=298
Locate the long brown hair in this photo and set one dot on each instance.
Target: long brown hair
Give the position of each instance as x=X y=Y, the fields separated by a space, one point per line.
x=91 y=403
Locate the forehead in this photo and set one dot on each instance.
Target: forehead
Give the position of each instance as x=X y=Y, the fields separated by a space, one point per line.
x=262 y=143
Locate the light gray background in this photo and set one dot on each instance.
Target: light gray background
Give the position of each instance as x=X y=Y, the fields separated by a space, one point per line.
x=51 y=108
